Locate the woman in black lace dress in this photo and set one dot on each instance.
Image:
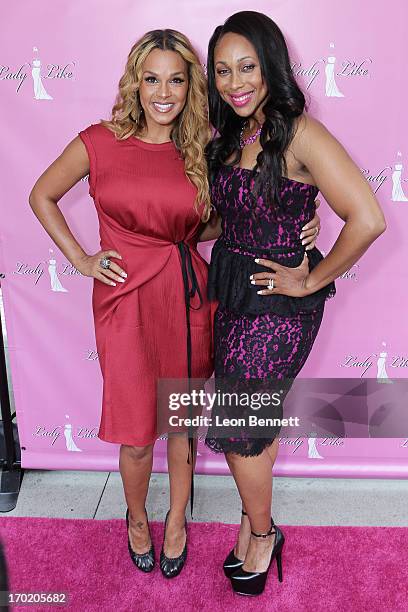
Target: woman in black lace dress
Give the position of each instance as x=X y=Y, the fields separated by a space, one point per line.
x=267 y=165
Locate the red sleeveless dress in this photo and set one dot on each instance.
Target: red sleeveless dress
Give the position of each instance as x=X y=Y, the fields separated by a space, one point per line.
x=145 y=207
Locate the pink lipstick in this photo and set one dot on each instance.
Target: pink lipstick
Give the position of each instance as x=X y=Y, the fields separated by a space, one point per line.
x=241 y=99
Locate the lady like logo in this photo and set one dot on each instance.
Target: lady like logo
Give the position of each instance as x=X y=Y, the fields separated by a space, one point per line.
x=381 y=362
x=25 y=269
x=398 y=188
x=39 y=72
x=332 y=73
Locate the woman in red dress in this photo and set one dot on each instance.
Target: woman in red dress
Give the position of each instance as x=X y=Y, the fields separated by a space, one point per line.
x=148 y=178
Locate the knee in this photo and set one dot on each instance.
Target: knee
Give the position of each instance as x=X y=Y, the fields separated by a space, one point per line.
x=138 y=453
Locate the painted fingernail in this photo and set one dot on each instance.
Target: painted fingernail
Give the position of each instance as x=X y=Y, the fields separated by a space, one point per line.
x=121 y=280
x=260 y=292
x=303 y=241
x=251 y=277
x=114 y=284
x=253 y=282
x=123 y=274
x=256 y=260
x=301 y=235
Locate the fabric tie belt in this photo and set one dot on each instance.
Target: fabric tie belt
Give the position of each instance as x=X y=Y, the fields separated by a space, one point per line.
x=191 y=288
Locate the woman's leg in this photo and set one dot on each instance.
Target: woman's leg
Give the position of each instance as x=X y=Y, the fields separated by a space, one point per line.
x=135 y=465
x=244 y=534
x=270 y=347
x=253 y=477
x=180 y=482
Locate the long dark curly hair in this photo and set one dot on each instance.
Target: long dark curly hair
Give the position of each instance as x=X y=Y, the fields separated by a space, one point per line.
x=284 y=102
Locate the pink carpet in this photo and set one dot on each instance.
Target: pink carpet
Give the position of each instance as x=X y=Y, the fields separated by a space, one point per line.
x=348 y=569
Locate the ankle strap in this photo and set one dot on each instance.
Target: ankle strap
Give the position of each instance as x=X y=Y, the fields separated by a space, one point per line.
x=265 y=535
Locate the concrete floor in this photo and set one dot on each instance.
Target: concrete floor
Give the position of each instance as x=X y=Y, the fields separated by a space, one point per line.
x=296 y=501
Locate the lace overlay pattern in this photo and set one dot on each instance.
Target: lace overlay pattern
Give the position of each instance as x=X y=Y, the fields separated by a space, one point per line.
x=259 y=337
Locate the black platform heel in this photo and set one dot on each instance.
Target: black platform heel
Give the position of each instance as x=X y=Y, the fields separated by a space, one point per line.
x=232 y=563
x=143 y=561
x=253 y=583
x=172 y=566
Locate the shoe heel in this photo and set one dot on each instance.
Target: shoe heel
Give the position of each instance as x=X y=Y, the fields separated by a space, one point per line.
x=279 y=564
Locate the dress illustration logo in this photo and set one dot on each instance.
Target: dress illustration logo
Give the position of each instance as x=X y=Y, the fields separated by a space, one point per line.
x=69 y=442
x=39 y=89
x=52 y=270
x=398 y=194
x=332 y=91
x=382 y=376
x=312 y=451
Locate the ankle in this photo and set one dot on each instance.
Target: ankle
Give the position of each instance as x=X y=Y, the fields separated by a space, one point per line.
x=264 y=533
x=262 y=544
x=138 y=518
x=177 y=517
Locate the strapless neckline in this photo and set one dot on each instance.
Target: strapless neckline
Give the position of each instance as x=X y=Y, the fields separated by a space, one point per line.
x=285 y=178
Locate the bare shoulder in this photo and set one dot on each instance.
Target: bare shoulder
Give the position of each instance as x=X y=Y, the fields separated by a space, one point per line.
x=309 y=131
x=334 y=172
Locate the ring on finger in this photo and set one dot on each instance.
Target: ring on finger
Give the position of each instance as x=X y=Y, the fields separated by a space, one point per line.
x=270 y=284
x=105 y=263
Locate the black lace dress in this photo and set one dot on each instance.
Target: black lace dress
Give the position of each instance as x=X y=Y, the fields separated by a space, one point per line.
x=258 y=338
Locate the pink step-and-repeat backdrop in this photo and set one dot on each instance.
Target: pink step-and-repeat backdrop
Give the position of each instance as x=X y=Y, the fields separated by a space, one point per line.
x=60 y=63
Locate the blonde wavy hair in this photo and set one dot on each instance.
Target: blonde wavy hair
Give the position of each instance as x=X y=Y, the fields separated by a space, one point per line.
x=191 y=132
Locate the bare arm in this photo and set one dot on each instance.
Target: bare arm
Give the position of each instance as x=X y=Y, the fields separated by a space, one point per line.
x=55 y=182
x=210 y=230
x=348 y=194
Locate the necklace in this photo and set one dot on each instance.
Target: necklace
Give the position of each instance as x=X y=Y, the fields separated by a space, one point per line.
x=246 y=141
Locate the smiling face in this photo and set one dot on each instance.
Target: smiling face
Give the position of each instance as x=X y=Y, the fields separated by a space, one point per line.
x=163 y=88
x=238 y=76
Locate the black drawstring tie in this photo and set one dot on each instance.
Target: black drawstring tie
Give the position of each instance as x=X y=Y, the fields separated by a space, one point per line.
x=191 y=287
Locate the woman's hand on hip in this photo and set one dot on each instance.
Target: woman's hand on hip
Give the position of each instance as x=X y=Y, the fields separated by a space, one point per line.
x=311 y=230
x=285 y=280
x=90 y=265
